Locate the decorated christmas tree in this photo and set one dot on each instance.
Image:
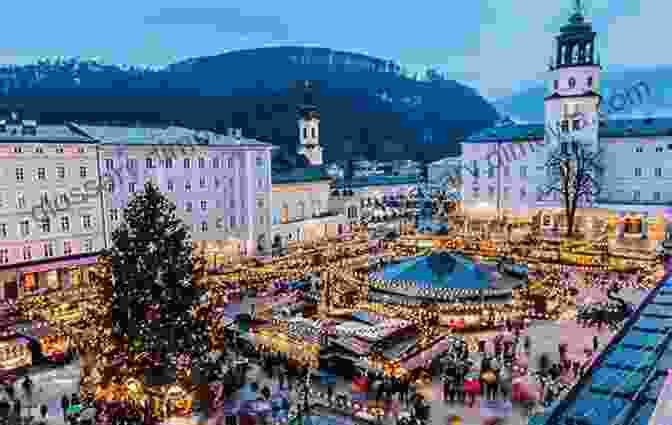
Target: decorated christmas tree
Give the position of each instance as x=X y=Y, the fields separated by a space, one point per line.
x=149 y=308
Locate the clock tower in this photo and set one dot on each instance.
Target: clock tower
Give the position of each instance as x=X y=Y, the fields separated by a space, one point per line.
x=573 y=95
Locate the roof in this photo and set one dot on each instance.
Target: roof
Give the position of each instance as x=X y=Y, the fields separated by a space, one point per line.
x=377 y=181
x=300 y=175
x=641 y=127
x=169 y=135
x=626 y=379
x=45 y=134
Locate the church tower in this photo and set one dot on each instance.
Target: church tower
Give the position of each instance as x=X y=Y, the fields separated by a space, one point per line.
x=309 y=126
x=571 y=105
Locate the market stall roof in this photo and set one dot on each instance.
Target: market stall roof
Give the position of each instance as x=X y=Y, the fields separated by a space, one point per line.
x=626 y=379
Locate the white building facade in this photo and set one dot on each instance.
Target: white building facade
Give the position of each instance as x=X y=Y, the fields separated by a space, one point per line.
x=504 y=167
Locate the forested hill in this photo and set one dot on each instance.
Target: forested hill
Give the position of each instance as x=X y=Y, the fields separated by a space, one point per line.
x=369 y=107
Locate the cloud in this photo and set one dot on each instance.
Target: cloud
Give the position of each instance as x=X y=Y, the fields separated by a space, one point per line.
x=226 y=20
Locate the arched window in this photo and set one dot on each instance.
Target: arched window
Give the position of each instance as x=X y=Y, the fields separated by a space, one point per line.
x=590 y=82
x=572 y=82
x=305 y=132
x=301 y=209
x=575 y=54
x=313 y=132
x=261 y=243
x=284 y=213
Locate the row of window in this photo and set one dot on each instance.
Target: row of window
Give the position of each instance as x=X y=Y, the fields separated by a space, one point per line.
x=132 y=164
x=571 y=82
x=40 y=149
x=506 y=171
x=48 y=250
x=25 y=226
x=42 y=173
x=313 y=133
x=640 y=149
x=657 y=172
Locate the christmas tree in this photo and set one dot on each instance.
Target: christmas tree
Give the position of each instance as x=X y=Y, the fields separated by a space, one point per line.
x=150 y=304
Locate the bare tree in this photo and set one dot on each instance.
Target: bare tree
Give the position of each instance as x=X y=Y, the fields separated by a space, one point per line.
x=574 y=172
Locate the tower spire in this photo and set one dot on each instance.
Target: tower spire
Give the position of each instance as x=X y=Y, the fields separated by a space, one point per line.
x=578 y=7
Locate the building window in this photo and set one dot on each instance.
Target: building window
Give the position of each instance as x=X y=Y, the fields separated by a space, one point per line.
x=45 y=225
x=202 y=183
x=656 y=196
x=67 y=248
x=523 y=171
x=187 y=163
x=4 y=256
x=635 y=195
x=313 y=133
x=572 y=82
x=217 y=183
x=81 y=150
x=187 y=186
x=60 y=172
x=659 y=148
x=49 y=249
x=109 y=164
x=188 y=206
x=65 y=224
x=491 y=172
x=589 y=82
x=305 y=132
x=507 y=193
x=204 y=226
x=507 y=171
x=114 y=214
x=20 y=201
x=638 y=172
x=18 y=149
x=233 y=222
x=232 y=204
x=19 y=174
x=201 y=163
x=639 y=149
x=261 y=220
x=491 y=192
x=59 y=149
x=110 y=187
x=204 y=205
x=132 y=164
x=475 y=193
x=24 y=228
x=131 y=187
x=523 y=193
x=301 y=210
x=564 y=126
x=215 y=162
x=260 y=183
x=219 y=224
x=658 y=172
x=169 y=163
x=3 y=230
x=260 y=203
x=82 y=172
x=555 y=84
x=149 y=163
x=171 y=186
x=229 y=163
x=474 y=164
x=88 y=245
x=576 y=125
x=27 y=253
x=41 y=174
x=260 y=162
x=86 y=222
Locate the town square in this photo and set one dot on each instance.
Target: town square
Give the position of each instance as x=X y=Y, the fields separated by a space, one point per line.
x=299 y=235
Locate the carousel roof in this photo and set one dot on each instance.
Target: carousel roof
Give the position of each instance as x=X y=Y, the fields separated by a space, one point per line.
x=626 y=379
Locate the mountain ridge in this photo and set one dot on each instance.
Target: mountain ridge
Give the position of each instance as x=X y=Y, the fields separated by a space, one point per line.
x=369 y=106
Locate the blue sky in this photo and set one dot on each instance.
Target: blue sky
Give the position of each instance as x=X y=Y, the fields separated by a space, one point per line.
x=496 y=46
